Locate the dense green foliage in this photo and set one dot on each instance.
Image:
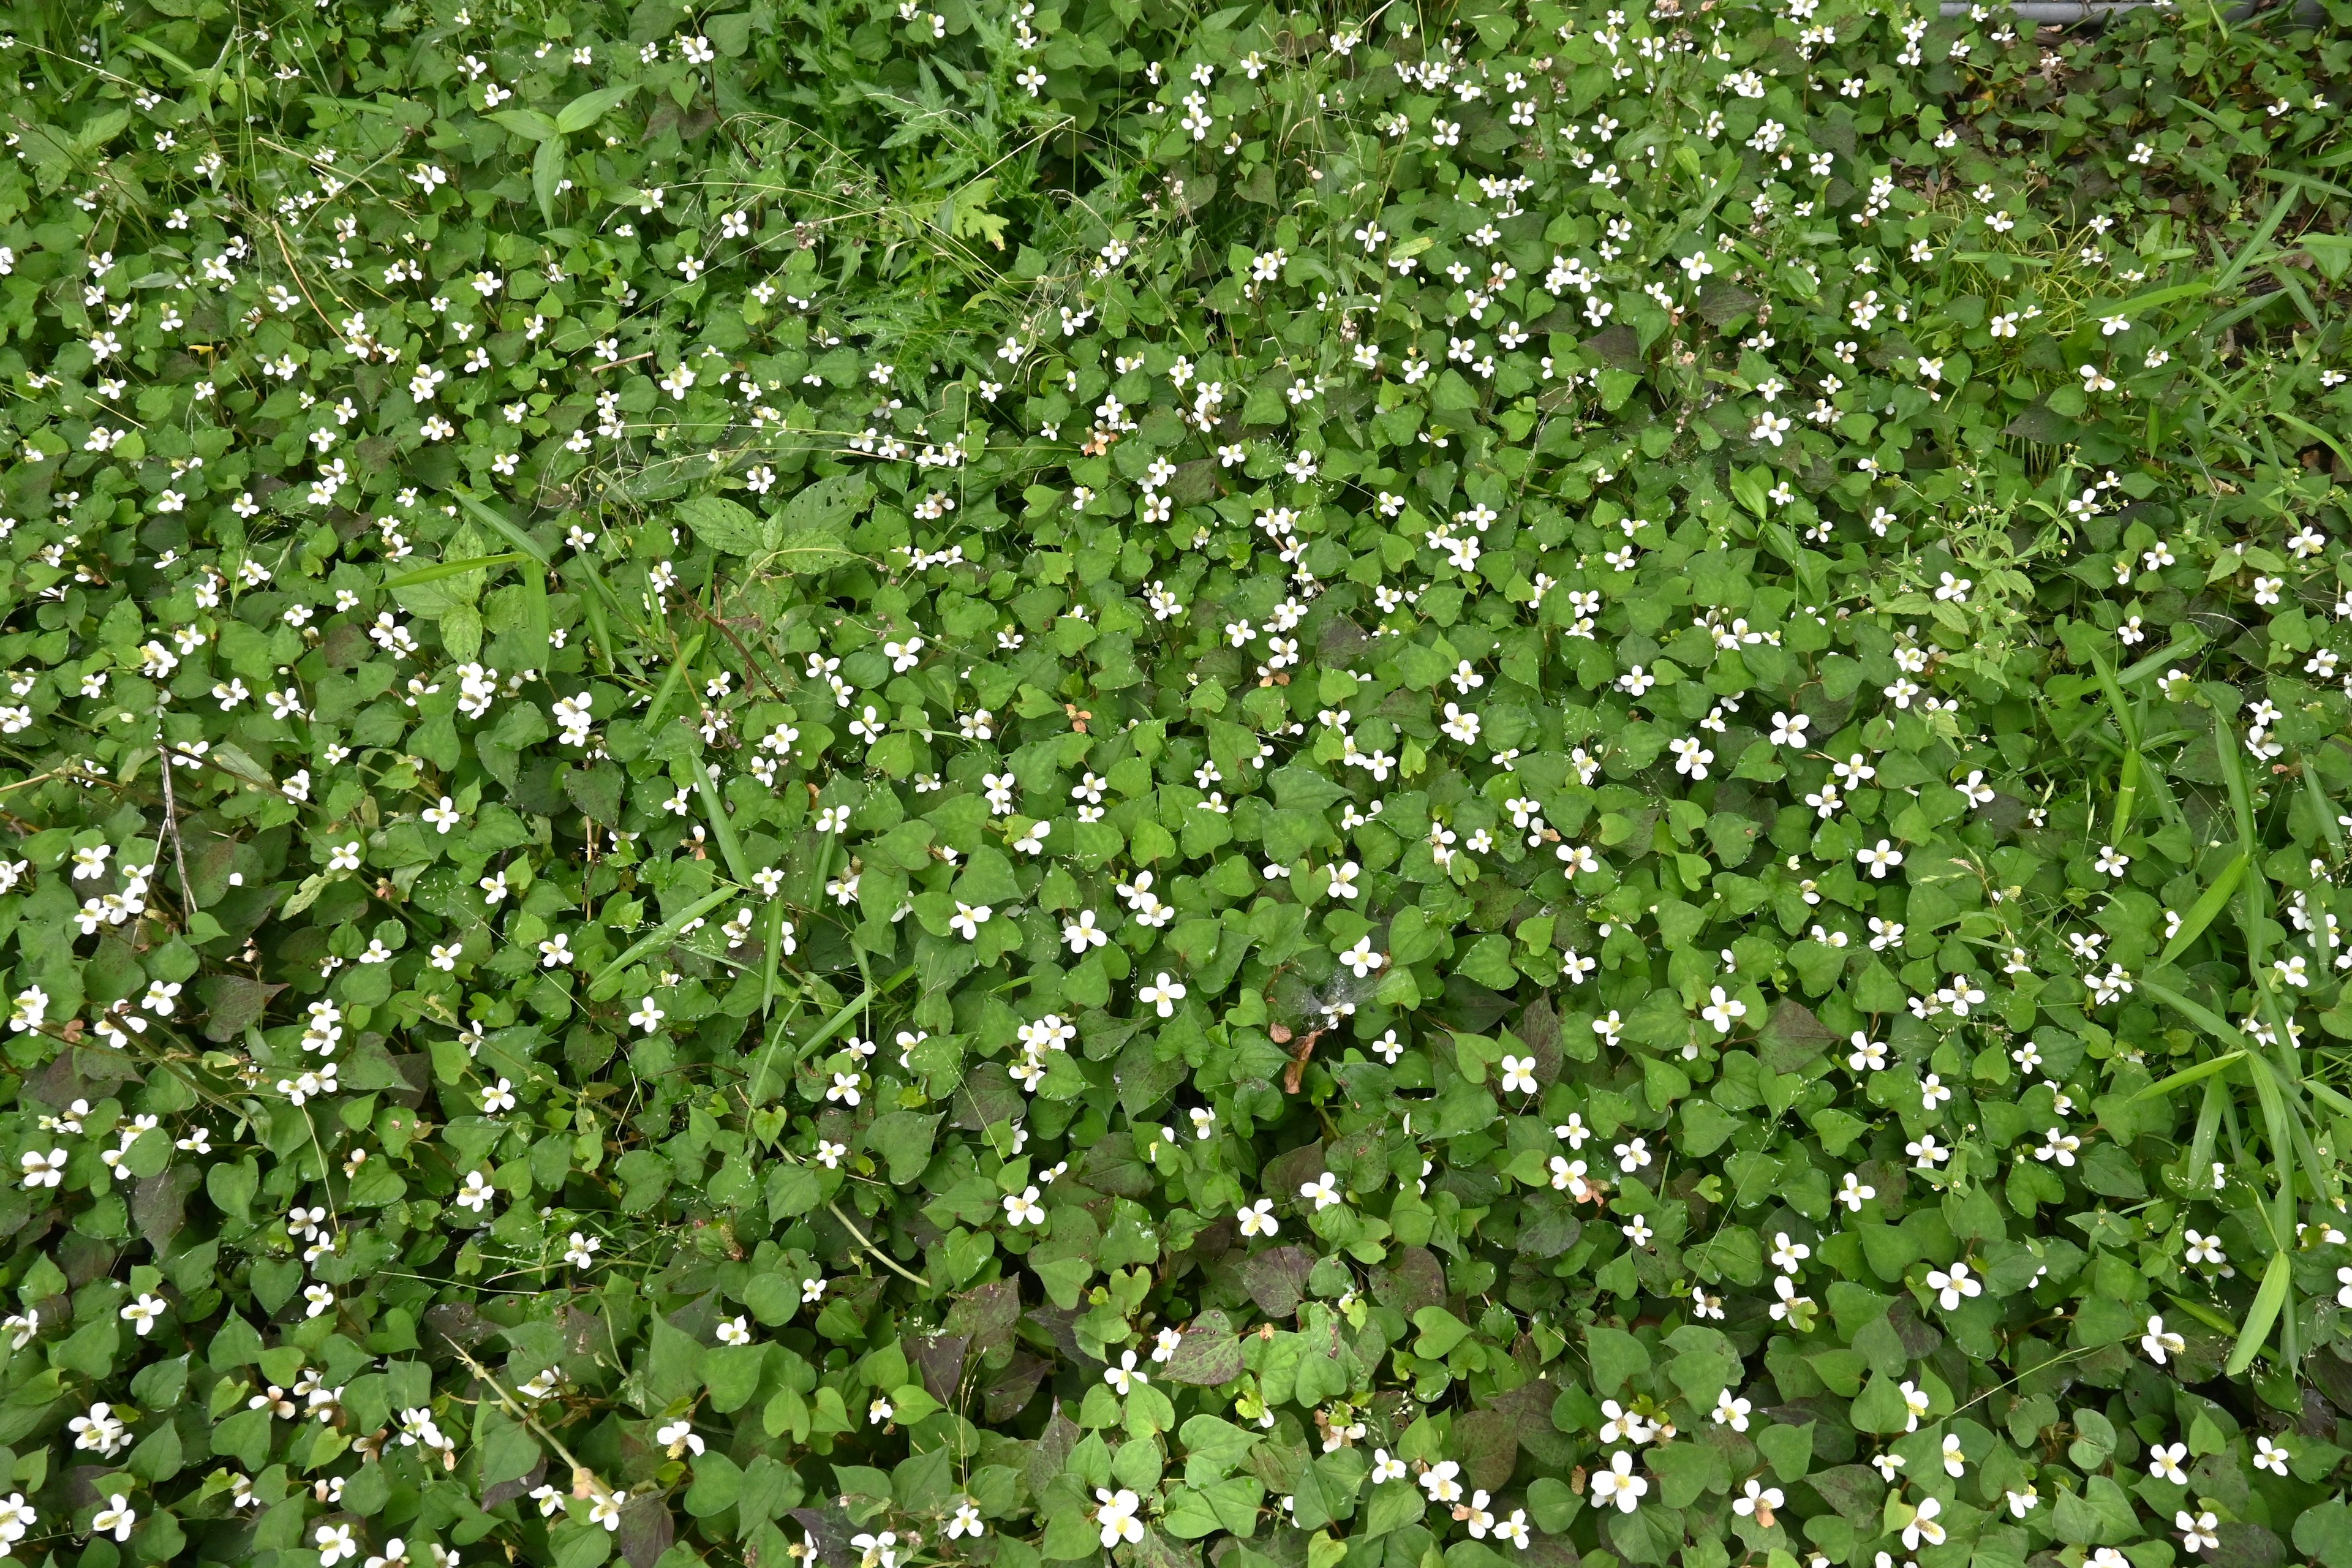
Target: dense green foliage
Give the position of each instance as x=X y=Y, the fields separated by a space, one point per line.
x=996 y=783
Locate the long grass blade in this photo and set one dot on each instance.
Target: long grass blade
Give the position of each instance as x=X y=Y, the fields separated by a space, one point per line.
x=608 y=979
x=2268 y=1302
x=2208 y=904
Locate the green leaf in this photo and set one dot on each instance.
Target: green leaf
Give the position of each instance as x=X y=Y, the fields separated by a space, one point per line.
x=727 y=527
x=827 y=506
x=528 y=122
x=586 y=109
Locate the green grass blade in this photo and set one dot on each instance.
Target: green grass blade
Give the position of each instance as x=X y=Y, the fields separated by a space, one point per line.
x=722 y=827
x=441 y=569
x=2208 y=904
x=2261 y=237
x=2189 y=642
x=2268 y=1302
x=497 y=521
x=668 y=688
x=2188 y=1076
x=2323 y=807
x=2203 y=1314
x=2125 y=721
x=2209 y=1122
x=608 y=979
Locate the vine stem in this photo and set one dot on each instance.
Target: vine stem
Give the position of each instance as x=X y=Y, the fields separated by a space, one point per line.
x=581 y=1473
x=172 y=824
x=880 y=1257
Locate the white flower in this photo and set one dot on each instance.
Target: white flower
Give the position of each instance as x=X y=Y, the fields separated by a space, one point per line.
x=1117 y=1516
x=99 y=1431
x=1438 y=1483
x=735 y=1331
x=1083 y=933
x=117 y=1518
x=1162 y=995
x=1257 y=1219
x=1877 y=861
x=1125 y=1375
x=679 y=1438
x=2160 y=1342
x=1022 y=1209
x=2197 y=1531
x=1915 y=1403
x=606 y=1510
x=1619 y=1484
x=1518 y=1074
x=334 y=1544
x=1730 y=1412
x=1924 y=1525
x=2164 y=1462
x=141 y=1313
x=1386 y=1468
x=1953 y=1284
x=1324 y=1190
x=1760 y=1501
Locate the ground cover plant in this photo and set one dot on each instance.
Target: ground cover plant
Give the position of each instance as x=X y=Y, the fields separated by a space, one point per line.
x=878 y=785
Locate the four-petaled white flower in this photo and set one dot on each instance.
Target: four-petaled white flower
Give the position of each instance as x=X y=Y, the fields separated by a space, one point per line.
x=1162 y=994
x=1619 y=1484
x=1117 y=1516
x=1951 y=1285
x=1924 y=1525
x=141 y=1313
x=2196 y=1530
x=1759 y=1501
x=1125 y=1375
x=116 y=1518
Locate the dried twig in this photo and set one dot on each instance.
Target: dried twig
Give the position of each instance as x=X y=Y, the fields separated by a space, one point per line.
x=1299 y=1053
